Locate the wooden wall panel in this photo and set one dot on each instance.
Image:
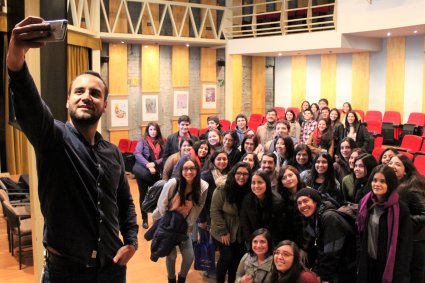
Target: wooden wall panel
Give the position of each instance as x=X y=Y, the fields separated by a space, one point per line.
x=122 y=19
x=208 y=64
x=116 y=135
x=299 y=75
x=150 y=68
x=258 y=84
x=146 y=24
x=208 y=32
x=328 y=77
x=180 y=66
x=237 y=84
x=394 y=99
x=118 y=69
x=178 y=13
x=360 y=81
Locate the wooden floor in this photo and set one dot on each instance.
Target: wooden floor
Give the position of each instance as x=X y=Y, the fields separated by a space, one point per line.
x=140 y=268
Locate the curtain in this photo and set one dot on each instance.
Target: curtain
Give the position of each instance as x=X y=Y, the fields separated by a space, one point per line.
x=78 y=61
x=16 y=142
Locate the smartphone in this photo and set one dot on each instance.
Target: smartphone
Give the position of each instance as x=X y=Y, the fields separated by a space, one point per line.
x=57 y=32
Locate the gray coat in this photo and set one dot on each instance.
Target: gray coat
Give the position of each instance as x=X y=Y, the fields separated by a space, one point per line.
x=249 y=265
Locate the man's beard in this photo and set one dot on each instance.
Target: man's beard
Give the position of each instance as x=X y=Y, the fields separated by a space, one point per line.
x=84 y=121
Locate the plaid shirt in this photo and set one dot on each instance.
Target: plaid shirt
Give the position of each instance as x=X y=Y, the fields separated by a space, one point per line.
x=307 y=129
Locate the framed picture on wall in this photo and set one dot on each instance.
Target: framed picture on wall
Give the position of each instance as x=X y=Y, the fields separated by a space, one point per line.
x=150 y=108
x=209 y=96
x=118 y=112
x=181 y=102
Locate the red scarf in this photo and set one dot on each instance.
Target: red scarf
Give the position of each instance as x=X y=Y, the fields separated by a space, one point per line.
x=317 y=137
x=155 y=146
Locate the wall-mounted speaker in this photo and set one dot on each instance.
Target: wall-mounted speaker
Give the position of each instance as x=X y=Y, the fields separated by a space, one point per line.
x=221 y=63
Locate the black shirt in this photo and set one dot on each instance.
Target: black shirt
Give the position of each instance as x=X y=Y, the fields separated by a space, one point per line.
x=84 y=194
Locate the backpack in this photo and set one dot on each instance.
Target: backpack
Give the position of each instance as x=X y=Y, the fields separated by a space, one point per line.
x=152 y=196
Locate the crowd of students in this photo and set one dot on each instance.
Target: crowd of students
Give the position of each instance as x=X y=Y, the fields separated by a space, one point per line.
x=289 y=202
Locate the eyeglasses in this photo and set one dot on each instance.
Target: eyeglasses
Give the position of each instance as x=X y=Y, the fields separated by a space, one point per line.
x=240 y=174
x=283 y=254
x=186 y=169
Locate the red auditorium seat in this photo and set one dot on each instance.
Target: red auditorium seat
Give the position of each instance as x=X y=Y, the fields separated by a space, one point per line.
x=233 y=125
x=124 y=145
x=411 y=143
x=419 y=162
x=256 y=118
x=416 y=118
x=407 y=154
x=204 y=130
x=374 y=126
x=280 y=112
x=225 y=125
x=194 y=131
x=253 y=126
x=361 y=114
x=373 y=115
x=133 y=145
x=391 y=128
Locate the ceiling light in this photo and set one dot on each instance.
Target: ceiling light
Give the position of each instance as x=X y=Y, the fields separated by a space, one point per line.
x=187 y=45
x=146 y=46
x=122 y=41
x=415 y=31
x=280 y=54
x=388 y=33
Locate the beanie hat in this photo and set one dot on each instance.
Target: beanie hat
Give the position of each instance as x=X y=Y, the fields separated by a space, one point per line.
x=311 y=193
x=213 y=118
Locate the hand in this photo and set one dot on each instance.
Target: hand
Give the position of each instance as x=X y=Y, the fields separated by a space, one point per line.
x=150 y=165
x=22 y=39
x=225 y=239
x=203 y=225
x=303 y=256
x=124 y=254
x=152 y=170
x=247 y=278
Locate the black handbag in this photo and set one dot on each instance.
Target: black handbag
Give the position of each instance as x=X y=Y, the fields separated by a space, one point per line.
x=152 y=196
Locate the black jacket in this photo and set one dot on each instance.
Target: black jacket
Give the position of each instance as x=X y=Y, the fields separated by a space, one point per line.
x=172 y=144
x=414 y=198
x=404 y=248
x=332 y=238
x=169 y=231
x=362 y=136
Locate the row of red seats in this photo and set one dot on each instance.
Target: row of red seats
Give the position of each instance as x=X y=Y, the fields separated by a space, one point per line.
x=127 y=145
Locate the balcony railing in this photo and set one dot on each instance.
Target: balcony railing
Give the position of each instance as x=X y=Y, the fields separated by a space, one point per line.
x=279 y=18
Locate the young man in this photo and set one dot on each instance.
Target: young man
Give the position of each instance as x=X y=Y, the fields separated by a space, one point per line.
x=268 y=165
x=266 y=132
x=282 y=130
x=173 y=140
x=241 y=126
x=84 y=194
x=308 y=126
x=330 y=238
x=213 y=123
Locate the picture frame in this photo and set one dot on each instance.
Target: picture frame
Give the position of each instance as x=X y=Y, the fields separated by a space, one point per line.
x=118 y=112
x=181 y=102
x=209 y=96
x=150 y=108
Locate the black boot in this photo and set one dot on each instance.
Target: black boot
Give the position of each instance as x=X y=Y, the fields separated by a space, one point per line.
x=172 y=280
x=181 y=279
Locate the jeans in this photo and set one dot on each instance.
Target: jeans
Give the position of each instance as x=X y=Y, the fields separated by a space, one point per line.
x=228 y=261
x=186 y=249
x=63 y=271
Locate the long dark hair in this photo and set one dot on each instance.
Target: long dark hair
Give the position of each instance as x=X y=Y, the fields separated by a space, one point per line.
x=282 y=171
x=268 y=195
x=327 y=135
x=267 y=235
x=294 y=273
x=356 y=122
x=299 y=147
x=158 y=139
x=352 y=144
x=196 y=185
x=234 y=192
x=393 y=149
x=293 y=116
x=369 y=163
x=289 y=146
x=214 y=156
x=390 y=178
x=330 y=181
x=413 y=179
x=254 y=139
x=256 y=161
x=234 y=136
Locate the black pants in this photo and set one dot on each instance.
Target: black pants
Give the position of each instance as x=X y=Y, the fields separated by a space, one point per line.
x=228 y=262
x=144 y=179
x=417 y=270
x=62 y=270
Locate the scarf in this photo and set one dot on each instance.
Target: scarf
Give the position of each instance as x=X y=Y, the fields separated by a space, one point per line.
x=155 y=146
x=217 y=176
x=317 y=137
x=393 y=208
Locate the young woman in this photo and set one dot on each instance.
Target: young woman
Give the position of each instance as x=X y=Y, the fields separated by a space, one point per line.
x=336 y=125
x=341 y=165
x=230 y=146
x=295 y=128
x=347 y=185
x=384 y=231
x=315 y=110
x=386 y=155
x=346 y=107
x=252 y=160
x=148 y=166
x=213 y=123
x=225 y=220
x=411 y=190
x=304 y=105
x=303 y=158
x=322 y=178
x=200 y=151
x=284 y=150
x=214 y=175
x=356 y=130
x=256 y=265
x=241 y=126
x=185 y=148
x=214 y=140
x=363 y=166
x=257 y=206
x=249 y=144
x=289 y=183
x=288 y=267
x=186 y=195
x=321 y=139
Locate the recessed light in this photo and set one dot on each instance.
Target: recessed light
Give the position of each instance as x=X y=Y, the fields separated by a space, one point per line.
x=415 y=31
x=122 y=41
x=280 y=54
x=388 y=33
x=146 y=46
x=187 y=44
